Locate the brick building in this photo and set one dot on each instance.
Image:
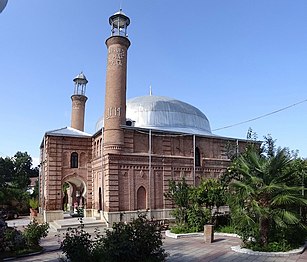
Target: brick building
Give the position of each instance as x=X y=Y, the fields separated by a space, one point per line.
x=139 y=145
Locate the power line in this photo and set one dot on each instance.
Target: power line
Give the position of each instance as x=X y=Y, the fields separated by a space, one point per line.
x=262 y=116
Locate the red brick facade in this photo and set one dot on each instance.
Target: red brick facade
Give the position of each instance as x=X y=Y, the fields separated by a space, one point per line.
x=123 y=168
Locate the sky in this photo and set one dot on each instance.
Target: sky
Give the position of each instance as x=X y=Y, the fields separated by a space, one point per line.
x=234 y=60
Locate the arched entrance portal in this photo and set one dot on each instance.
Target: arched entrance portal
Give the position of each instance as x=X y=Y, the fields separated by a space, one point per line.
x=74 y=191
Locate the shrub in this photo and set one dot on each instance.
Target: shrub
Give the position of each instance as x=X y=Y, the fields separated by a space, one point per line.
x=180 y=215
x=77 y=244
x=33 y=202
x=14 y=243
x=281 y=246
x=198 y=217
x=178 y=193
x=181 y=229
x=11 y=239
x=226 y=229
x=139 y=240
x=34 y=232
x=287 y=234
x=194 y=205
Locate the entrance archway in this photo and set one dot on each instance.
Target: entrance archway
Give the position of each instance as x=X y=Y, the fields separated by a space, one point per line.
x=74 y=191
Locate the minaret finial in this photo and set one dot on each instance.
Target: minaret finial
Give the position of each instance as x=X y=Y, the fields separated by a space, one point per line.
x=119 y=23
x=150 y=90
x=80 y=84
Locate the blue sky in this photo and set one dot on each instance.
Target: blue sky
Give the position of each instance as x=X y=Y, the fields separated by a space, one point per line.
x=234 y=60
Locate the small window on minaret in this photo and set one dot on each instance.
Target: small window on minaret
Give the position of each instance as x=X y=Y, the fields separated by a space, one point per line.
x=197 y=157
x=74 y=160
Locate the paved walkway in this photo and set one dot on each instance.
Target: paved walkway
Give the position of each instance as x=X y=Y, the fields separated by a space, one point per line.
x=194 y=249
x=184 y=249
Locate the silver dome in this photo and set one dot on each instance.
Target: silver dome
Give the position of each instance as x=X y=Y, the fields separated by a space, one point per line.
x=166 y=114
x=163 y=113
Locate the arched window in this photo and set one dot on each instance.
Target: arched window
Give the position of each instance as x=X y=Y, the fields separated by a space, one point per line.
x=74 y=160
x=94 y=149
x=97 y=149
x=100 y=199
x=100 y=148
x=197 y=157
x=141 y=198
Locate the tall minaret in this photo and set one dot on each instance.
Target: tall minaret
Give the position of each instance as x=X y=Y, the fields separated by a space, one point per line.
x=115 y=98
x=78 y=102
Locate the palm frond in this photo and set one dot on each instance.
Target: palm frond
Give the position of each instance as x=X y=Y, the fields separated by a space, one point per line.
x=241 y=187
x=284 y=217
x=288 y=200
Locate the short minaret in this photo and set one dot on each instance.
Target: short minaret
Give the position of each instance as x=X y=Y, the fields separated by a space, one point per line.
x=115 y=95
x=78 y=102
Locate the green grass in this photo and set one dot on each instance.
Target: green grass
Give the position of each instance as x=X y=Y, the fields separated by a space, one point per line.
x=182 y=229
x=226 y=229
x=281 y=246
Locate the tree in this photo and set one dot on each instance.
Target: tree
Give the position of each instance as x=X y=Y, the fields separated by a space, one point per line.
x=268 y=147
x=251 y=135
x=6 y=172
x=22 y=170
x=194 y=205
x=14 y=177
x=178 y=193
x=263 y=194
x=209 y=194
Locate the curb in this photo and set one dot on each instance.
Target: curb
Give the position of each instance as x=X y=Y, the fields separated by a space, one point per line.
x=168 y=233
x=43 y=251
x=220 y=234
x=297 y=251
x=25 y=255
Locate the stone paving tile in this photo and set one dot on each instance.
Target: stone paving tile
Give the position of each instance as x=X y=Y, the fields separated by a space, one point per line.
x=194 y=249
x=227 y=257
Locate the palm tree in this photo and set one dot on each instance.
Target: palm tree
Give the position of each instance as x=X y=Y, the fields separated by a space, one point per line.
x=263 y=194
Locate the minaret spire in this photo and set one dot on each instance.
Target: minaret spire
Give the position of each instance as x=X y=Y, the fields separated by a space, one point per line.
x=115 y=96
x=78 y=102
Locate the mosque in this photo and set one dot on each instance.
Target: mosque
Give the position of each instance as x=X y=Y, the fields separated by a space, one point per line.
x=139 y=145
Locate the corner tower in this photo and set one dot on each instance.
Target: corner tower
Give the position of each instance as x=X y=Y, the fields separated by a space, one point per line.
x=78 y=102
x=116 y=78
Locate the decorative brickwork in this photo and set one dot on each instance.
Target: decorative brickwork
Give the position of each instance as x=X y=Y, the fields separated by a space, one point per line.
x=78 y=111
x=121 y=169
